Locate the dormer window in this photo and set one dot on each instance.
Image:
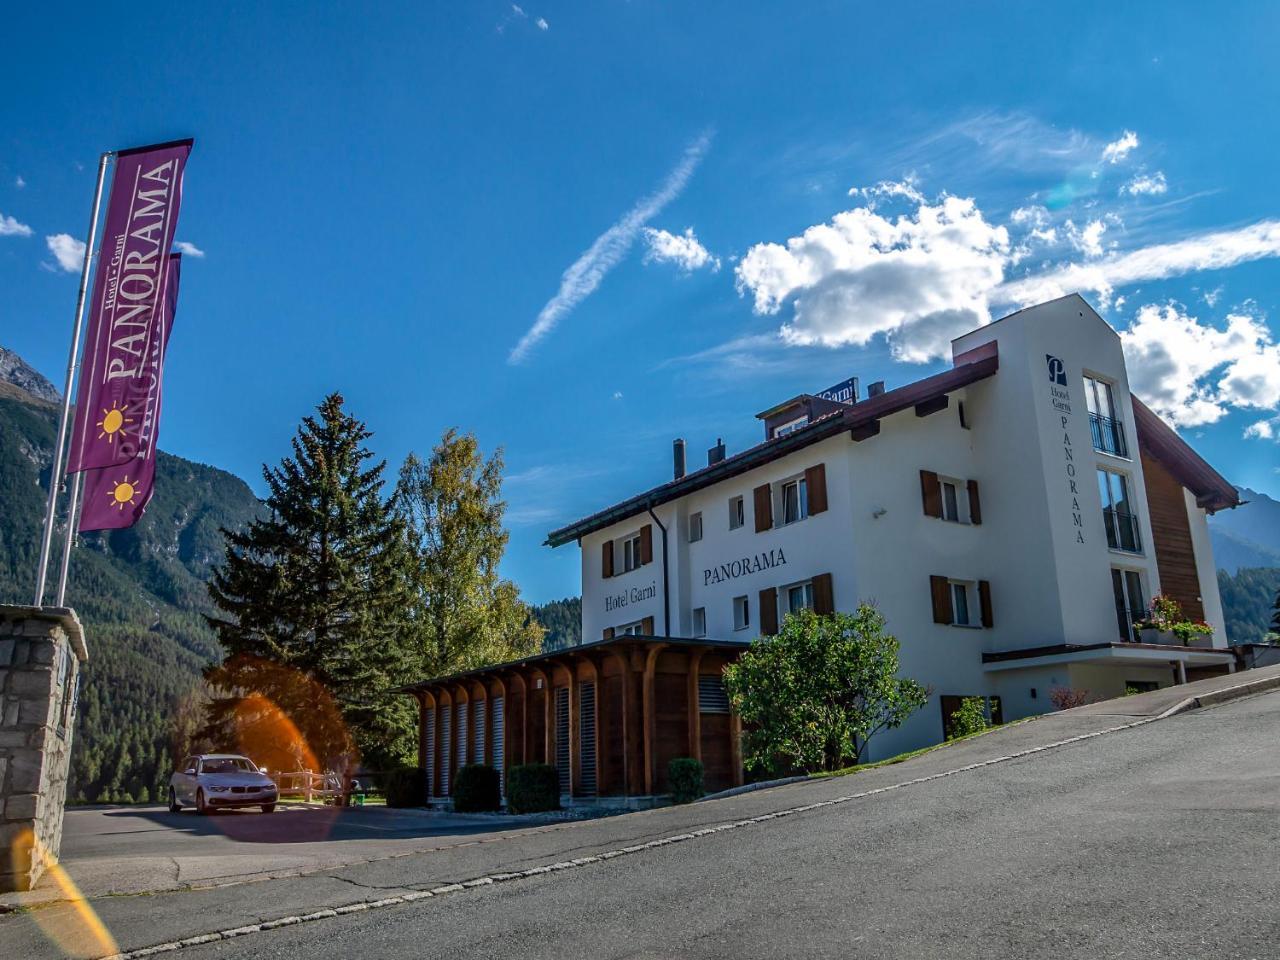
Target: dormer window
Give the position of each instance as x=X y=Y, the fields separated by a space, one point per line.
x=791 y=426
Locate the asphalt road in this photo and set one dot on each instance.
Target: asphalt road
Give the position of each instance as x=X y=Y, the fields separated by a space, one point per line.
x=1159 y=841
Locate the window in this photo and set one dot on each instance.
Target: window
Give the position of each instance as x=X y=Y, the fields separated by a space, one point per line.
x=700 y=621
x=631 y=553
x=791 y=426
x=736 y=515
x=800 y=597
x=1107 y=430
x=1131 y=601
x=741 y=613
x=712 y=696
x=950 y=502
x=1141 y=686
x=960 y=604
x=631 y=629
x=1118 y=515
x=795 y=500
x=695 y=527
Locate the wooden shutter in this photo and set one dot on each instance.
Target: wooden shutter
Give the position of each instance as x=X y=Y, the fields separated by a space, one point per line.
x=931 y=493
x=768 y=612
x=940 y=590
x=608 y=633
x=823 y=601
x=815 y=481
x=764 y=508
x=984 y=602
x=646 y=626
x=646 y=543
x=975 y=507
x=606 y=559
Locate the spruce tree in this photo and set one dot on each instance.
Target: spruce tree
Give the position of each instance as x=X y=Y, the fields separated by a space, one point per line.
x=464 y=614
x=312 y=598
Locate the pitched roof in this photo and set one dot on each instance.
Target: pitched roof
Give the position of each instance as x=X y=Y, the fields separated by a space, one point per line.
x=1159 y=440
x=970 y=367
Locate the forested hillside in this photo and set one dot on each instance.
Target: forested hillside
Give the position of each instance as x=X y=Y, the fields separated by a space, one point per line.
x=139 y=592
x=562 y=619
x=1248 y=600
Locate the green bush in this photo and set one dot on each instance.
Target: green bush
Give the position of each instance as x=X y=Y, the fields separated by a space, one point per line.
x=477 y=788
x=533 y=788
x=684 y=777
x=970 y=717
x=405 y=787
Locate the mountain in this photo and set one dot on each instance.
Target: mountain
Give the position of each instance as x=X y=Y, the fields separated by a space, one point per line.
x=140 y=592
x=1248 y=536
x=14 y=370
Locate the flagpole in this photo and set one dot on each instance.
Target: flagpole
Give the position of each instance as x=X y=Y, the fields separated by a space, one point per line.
x=73 y=510
x=56 y=471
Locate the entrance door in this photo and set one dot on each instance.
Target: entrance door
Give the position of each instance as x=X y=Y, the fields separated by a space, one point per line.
x=562 y=737
x=587 y=738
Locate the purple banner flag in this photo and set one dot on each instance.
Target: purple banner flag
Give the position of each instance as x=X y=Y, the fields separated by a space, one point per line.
x=115 y=497
x=117 y=407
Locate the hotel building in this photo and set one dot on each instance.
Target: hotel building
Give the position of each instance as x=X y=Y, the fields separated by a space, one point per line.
x=1011 y=517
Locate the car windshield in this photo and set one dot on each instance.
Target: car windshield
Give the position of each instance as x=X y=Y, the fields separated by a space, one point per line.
x=227 y=765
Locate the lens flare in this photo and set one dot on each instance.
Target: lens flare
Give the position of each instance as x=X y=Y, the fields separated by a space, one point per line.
x=73 y=926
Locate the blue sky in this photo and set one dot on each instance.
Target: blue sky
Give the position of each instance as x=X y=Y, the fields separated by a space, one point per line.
x=477 y=215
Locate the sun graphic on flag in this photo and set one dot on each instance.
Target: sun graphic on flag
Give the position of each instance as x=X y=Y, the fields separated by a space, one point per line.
x=122 y=493
x=114 y=421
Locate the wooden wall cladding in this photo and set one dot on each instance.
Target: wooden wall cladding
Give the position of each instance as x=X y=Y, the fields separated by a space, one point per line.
x=1171 y=530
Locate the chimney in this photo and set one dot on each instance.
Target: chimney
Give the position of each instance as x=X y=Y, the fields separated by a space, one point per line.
x=716 y=453
x=875 y=389
x=677 y=454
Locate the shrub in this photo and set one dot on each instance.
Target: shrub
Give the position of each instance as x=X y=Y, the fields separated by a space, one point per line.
x=811 y=697
x=533 y=788
x=1064 y=698
x=684 y=777
x=969 y=718
x=406 y=787
x=477 y=788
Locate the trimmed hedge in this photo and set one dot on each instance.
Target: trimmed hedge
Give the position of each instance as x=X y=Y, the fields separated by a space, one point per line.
x=533 y=788
x=684 y=777
x=477 y=788
x=405 y=787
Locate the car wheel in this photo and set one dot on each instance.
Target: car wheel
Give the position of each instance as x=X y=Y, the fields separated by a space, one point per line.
x=268 y=808
x=201 y=807
x=174 y=805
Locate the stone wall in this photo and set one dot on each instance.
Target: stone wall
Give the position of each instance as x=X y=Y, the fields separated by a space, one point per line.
x=42 y=651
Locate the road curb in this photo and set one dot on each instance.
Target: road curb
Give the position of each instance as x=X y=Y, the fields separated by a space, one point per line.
x=1183 y=706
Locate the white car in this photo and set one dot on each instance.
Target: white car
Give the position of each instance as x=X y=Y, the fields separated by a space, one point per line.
x=211 y=781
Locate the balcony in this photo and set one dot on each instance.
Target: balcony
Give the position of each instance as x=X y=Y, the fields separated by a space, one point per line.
x=1108 y=435
x=1122 y=530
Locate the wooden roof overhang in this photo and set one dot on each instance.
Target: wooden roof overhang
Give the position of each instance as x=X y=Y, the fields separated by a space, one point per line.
x=624 y=644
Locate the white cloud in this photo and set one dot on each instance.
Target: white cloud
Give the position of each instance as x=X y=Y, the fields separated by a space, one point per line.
x=920 y=280
x=1144 y=184
x=684 y=250
x=617 y=394
x=1207 y=251
x=1117 y=150
x=188 y=249
x=1086 y=239
x=1264 y=430
x=67 y=250
x=585 y=274
x=1193 y=373
x=19 y=182
x=9 y=227
x=542 y=24
x=906 y=188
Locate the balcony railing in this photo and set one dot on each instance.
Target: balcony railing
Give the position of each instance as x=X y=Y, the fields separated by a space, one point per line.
x=1122 y=530
x=1108 y=435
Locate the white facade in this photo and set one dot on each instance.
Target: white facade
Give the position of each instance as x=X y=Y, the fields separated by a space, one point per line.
x=1041 y=546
